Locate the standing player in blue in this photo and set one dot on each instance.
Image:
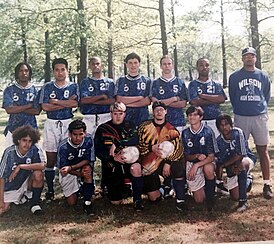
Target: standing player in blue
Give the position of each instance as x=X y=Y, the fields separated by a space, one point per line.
x=249 y=91
x=75 y=159
x=133 y=90
x=21 y=170
x=21 y=102
x=96 y=95
x=200 y=147
x=57 y=97
x=172 y=91
x=206 y=93
x=236 y=157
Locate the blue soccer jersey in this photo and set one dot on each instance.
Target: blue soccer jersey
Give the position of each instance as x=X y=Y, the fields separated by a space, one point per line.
x=11 y=158
x=131 y=87
x=249 y=92
x=69 y=154
x=202 y=141
x=17 y=95
x=164 y=89
x=210 y=87
x=52 y=91
x=237 y=145
x=94 y=87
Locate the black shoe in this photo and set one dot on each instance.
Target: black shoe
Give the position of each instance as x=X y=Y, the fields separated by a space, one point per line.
x=243 y=206
x=210 y=204
x=267 y=192
x=250 y=179
x=36 y=210
x=222 y=189
x=87 y=207
x=168 y=192
x=138 y=206
x=49 y=196
x=181 y=206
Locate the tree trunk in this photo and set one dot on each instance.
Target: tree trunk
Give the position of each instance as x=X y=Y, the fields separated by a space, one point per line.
x=175 y=52
x=110 y=41
x=47 y=69
x=255 y=40
x=223 y=47
x=163 y=27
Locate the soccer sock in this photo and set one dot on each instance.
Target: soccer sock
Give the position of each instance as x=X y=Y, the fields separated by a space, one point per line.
x=242 y=185
x=179 y=187
x=167 y=182
x=50 y=174
x=137 y=188
x=88 y=191
x=36 y=193
x=210 y=189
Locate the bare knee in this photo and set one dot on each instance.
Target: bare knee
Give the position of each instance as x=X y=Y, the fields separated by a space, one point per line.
x=136 y=170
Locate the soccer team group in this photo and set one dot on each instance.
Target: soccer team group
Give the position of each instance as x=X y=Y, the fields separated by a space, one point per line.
x=138 y=155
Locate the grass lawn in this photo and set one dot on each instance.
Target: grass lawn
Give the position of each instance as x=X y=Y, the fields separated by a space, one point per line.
x=158 y=223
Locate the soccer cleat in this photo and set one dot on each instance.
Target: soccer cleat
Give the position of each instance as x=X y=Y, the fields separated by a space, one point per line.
x=138 y=206
x=222 y=189
x=250 y=180
x=87 y=207
x=267 y=192
x=49 y=196
x=243 y=206
x=181 y=206
x=210 y=204
x=168 y=192
x=36 y=210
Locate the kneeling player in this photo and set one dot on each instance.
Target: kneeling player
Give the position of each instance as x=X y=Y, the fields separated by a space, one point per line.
x=200 y=147
x=21 y=170
x=75 y=159
x=236 y=157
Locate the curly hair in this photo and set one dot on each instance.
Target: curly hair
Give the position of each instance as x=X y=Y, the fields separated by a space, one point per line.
x=25 y=131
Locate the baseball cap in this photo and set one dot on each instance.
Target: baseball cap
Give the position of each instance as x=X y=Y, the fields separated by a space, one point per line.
x=250 y=50
x=158 y=104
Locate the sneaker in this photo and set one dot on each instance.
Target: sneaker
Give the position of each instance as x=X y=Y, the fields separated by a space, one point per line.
x=138 y=206
x=243 y=206
x=36 y=210
x=181 y=206
x=49 y=196
x=250 y=180
x=267 y=192
x=87 y=207
x=168 y=192
x=222 y=189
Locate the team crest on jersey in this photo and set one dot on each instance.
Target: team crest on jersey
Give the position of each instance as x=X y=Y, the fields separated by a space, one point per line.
x=52 y=95
x=71 y=156
x=15 y=97
x=202 y=141
x=28 y=161
x=91 y=88
x=190 y=144
x=200 y=91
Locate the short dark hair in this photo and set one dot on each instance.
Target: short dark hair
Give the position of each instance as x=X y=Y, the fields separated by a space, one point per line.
x=165 y=56
x=17 y=69
x=225 y=117
x=59 y=61
x=77 y=125
x=132 y=56
x=159 y=104
x=193 y=108
x=24 y=131
x=202 y=58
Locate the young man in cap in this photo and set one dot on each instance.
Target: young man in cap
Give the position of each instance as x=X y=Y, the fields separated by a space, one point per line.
x=249 y=91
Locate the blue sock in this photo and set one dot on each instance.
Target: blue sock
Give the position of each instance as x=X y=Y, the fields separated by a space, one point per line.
x=88 y=191
x=179 y=187
x=50 y=174
x=36 y=194
x=210 y=189
x=242 y=177
x=167 y=182
x=137 y=188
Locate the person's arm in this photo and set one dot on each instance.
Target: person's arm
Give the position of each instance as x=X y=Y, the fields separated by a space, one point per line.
x=2 y=203
x=55 y=104
x=73 y=168
x=107 y=101
x=128 y=100
x=93 y=99
x=211 y=99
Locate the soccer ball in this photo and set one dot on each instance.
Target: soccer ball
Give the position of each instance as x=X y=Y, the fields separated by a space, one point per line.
x=131 y=154
x=167 y=148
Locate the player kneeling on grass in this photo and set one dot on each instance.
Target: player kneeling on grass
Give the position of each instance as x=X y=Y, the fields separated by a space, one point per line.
x=21 y=170
x=158 y=158
x=236 y=157
x=200 y=147
x=75 y=159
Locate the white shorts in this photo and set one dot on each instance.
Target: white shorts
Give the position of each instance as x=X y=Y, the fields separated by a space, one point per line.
x=18 y=196
x=8 y=139
x=93 y=121
x=69 y=184
x=54 y=132
x=199 y=182
x=247 y=160
x=232 y=182
x=212 y=124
